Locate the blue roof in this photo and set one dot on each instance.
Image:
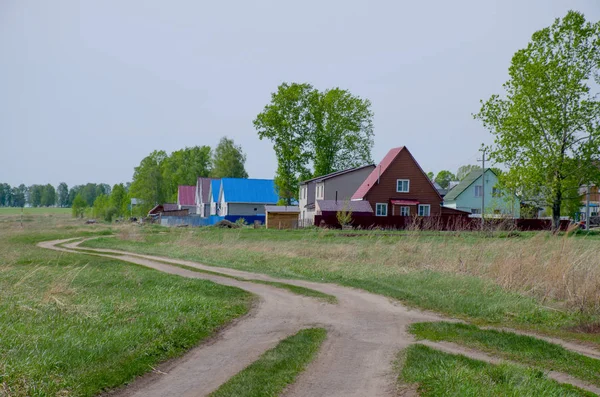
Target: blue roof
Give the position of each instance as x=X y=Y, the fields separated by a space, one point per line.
x=215 y=185
x=260 y=191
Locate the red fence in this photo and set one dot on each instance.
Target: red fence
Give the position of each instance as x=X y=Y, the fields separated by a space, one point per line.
x=440 y=222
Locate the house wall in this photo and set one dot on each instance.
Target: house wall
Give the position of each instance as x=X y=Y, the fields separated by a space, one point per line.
x=191 y=208
x=245 y=209
x=506 y=205
x=345 y=185
x=421 y=189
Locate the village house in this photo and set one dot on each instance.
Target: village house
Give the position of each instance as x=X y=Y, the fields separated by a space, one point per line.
x=186 y=198
x=203 y=196
x=245 y=197
x=337 y=186
x=399 y=187
x=467 y=196
x=213 y=195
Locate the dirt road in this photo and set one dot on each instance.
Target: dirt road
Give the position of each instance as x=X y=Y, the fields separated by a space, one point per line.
x=365 y=332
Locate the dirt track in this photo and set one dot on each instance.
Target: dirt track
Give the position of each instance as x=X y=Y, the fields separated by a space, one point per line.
x=365 y=332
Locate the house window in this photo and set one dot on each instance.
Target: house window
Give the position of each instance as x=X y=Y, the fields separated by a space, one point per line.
x=381 y=209
x=478 y=191
x=424 y=209
x=475 y=210
x=495 y=192
x=402 y=185
x=404 y=211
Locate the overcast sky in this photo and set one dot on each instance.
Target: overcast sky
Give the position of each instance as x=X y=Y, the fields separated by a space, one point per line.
x=88 y=88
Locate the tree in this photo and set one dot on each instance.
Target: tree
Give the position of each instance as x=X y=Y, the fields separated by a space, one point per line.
x=547 y=126
x=5 y=195
x=78 y=207
x=332 y=130
x=48 y=196
x=228 y=160
x=444 y=178
x=430 y=175
x=62 y=193
x=35 y=195
x=119 y=199
x=148 y=184
x=184 y=166
x=465 y=170
x=17 y=196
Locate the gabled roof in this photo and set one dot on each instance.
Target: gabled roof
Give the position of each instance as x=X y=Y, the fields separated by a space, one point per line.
x=215 y=186
x=204 y=184
x=242 y=190
x=354 y=206
x=170 y=207
x=389 y=158
x=337 y=173
x=186 y=195
x=464 y=184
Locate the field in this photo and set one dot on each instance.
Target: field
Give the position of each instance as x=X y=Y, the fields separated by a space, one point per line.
x=34 y=211
x=533 y=281
x=79 y=324
x=75 y=324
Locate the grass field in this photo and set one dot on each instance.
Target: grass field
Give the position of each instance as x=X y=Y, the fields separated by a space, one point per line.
x=75 y=325
x=276 y=368
x=523 y=349
x=35 y=211
x=440 y=374
x=532 y=281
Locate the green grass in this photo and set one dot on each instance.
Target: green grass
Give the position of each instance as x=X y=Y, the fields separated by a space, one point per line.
x=390 y=264
x=35 y=211
x=508 y=345
x=75 y=324
x=276 y=368
x=442 y=374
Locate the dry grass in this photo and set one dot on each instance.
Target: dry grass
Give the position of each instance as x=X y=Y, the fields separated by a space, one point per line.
x=552 y=268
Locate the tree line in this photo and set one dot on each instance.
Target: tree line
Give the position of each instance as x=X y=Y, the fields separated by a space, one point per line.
x=156 y=179
x=49 y=196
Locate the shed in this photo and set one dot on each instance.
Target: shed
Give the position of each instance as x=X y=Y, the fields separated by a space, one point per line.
x=282 y=216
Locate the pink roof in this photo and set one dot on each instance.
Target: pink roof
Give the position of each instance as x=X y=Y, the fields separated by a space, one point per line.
x=186 y=195
x=371 y=180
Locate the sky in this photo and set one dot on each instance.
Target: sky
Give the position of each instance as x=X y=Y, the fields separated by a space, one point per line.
x=89 y=88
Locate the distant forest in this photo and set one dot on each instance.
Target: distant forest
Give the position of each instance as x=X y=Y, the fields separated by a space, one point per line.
x=49 y=196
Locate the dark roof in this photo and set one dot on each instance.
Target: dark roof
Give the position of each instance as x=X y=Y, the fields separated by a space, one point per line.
x=389 y=158
x=163 y=208
x=337 y=173
x=204 y=184
x=354 y=206
x=242 y=190
x=170 y=207
x=282 y=208
x=464 y=184
x=186 y=195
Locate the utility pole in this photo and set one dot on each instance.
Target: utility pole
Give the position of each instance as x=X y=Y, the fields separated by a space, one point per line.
x=482 y=187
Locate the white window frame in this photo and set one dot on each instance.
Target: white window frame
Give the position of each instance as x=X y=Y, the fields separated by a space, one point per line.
x=476 y=211
x=422 y=206
x=407 y=185
x=403 y=208
x=381 y=205
x=480 y=189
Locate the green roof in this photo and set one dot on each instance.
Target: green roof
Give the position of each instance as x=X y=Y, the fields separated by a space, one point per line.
x=464 y=184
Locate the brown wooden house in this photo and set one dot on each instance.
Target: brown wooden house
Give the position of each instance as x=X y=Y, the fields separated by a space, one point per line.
x=399 y=187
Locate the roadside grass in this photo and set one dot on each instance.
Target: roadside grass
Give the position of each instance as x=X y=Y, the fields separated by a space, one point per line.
x=276 y=368
x=524 y=349
x=298 y=290
x=442 y=374
x=34 y=211
x=470 y=276
x=77 y=325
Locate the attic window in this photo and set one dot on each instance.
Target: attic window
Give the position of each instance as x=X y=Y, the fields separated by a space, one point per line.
x=402 y=185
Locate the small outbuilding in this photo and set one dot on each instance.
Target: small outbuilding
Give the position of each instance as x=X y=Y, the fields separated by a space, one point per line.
x=281 y=216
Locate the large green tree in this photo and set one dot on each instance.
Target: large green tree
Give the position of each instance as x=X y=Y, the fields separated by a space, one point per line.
x=48 y=196
x=330 y=130
x=444 y=177
x=228 y=160
x=119 y=200
x=465 y=170
x=184 y=166
x=148 y=184
x=78 y=206
x=547 y=125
